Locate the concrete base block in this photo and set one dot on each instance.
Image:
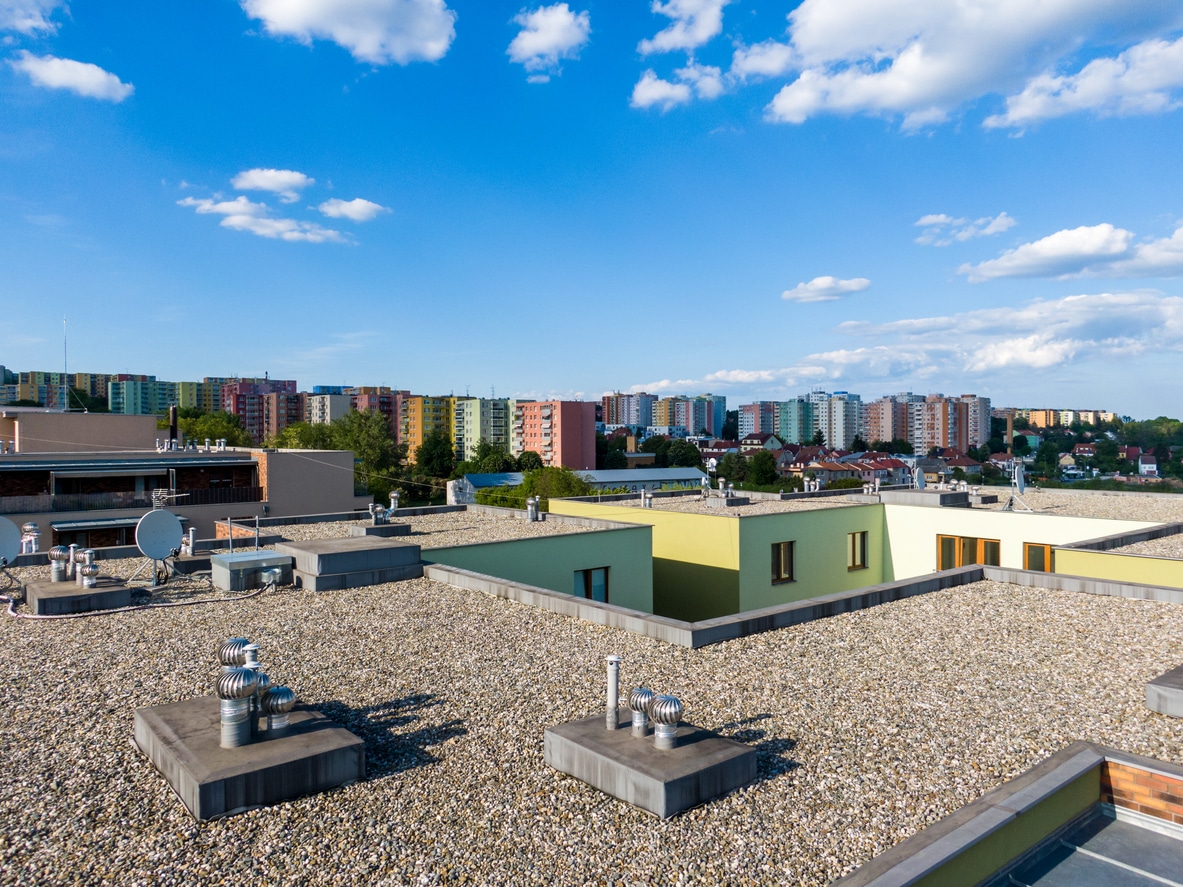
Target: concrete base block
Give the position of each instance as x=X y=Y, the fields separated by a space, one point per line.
x=931 y=498
x=383 y=530
x=59 y=598
x=702 y=767
x=1165 y=693
x=323 y=556
x=243 y=570
x=183 y=741
x=188 y=564
x=983 y=499
x=355 y=579
x=728 y=501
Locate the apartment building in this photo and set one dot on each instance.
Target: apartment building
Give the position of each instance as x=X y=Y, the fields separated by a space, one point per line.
x=421 y=416
x=562 y=432
x=479 y=418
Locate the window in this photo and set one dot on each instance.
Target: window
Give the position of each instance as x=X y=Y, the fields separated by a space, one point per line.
x=1037 y=557
x=856 y=550
x=962 y=551
x=782 y=562
x=592 y=584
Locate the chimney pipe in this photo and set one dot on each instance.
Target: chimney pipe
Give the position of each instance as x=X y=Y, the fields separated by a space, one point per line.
x=172 y=425
x=612 y=713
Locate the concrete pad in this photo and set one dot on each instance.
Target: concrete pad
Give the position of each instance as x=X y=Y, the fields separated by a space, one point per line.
x=930 y=498
x=356 y=578
x=323 y=556
x=1165 y=693
x=47 y=598
x=243 y=570
x=183 y=740
x=384 y=530
x=702 y=767
x=188 y=564
x=727 y=502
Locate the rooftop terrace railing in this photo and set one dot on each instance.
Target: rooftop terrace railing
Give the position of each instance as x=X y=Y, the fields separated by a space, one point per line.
x=62 y=502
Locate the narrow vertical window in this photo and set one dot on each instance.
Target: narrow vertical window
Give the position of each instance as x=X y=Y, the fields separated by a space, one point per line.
x=782 y=562
x=856 y=550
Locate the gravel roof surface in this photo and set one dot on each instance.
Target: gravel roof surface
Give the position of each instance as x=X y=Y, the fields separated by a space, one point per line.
x=1167 y=546
x=1165 y=507
x=441 y=530
x=696 y=505
x=869 y=725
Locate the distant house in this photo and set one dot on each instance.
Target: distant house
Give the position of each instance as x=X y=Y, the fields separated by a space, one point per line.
x=1084 y=450
x=966 y=464
x=1067 y=461
x=760 y=440
x=1130 y=454
x=1147 y=465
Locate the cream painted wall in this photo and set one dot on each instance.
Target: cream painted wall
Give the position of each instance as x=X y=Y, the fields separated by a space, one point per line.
x=912 y=533
x=1132 y=568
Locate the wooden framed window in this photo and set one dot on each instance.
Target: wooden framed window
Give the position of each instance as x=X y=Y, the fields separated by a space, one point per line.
x=592 y=584
x=856 y=550
x=962 y=551
x=1038 y=557
x=782 y=562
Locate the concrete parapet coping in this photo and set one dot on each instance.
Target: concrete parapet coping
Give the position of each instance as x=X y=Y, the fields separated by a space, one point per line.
x=1064 y=582
x=548 y=517
x=1118 y=540
x=993 y=835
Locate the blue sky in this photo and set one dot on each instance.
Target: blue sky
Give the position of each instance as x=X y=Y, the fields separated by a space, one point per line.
x=747 y=198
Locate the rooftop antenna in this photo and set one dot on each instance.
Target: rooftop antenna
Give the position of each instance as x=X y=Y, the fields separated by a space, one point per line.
x=65 y=370
x=1018 y=483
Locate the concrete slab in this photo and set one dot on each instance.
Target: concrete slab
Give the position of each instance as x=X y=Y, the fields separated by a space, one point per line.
x=983 y=499
x=929 y=498
x=323 y=556
x=702 y=767
x=727 y=502
x=188 y=564
x=1165 y=693
x=355 y=578
x=47 y=598
x=183 y=740
x=383 y=530
x=243 y=570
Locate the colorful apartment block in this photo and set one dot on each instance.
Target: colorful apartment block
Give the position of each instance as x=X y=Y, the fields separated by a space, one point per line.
x=562 y=432
x=421 y=416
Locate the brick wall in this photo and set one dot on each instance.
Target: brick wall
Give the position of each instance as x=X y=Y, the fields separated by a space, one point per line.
x=1136 y=789
x=240 y=531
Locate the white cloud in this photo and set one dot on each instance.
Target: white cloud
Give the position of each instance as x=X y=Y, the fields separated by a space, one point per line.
x=767 y=59
x=375 y=31
x=286 y=183
x=941 y=230
x=706 y=80
x=922 y=61
x=28 y=16
x=358 y=210
x=1063 y=254
x=651 y=90
x=825 y=289
x=694 y=23
x=241 y=214
x=81 y=78
x=1138 y=81
x=548 y=34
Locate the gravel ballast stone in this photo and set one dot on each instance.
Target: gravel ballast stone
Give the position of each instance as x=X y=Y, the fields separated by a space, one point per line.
x=868 y=727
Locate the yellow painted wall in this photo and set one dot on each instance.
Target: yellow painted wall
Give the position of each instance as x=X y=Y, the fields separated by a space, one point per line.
x=1134 y=569
x=912 y=532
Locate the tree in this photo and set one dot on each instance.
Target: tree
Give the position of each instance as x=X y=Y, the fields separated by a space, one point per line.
x=379 y=461
x=215 y=426
x=900 y=446
x=683 y=454
x=79 y=399
x=730 y=429
x=615 y=459
x=1106 y=459
x=435 y=456
x=1047 y=460
x=819 y=439
x=659 y=446
x=303 y=436
x=529 y=461
x=858 y=445
x=732 y=467
x=761 y=468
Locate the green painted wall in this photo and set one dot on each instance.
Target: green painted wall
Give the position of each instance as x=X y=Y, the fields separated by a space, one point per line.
x=1133 y=569
x=693 y=592
x=820 y=539
x=551 y=561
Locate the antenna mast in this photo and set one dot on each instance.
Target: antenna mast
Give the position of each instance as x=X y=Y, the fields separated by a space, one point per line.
x=65 y=404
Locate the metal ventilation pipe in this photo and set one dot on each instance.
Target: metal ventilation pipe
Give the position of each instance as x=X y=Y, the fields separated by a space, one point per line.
x=207 y=444
x=532 y=508
x=393 y=501
x=612 y=713
x=57 y=563
x=30 y=534
x=84 y=558
x=666 y=711
x=88 y=575
x=638 y=702
x=235 y=687
x=276 y=704
x=72 y=561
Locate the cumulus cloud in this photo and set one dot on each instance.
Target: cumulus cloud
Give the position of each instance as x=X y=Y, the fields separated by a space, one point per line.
x=942 y=230
x=1063 y=254
x=241 y=214
x=694 y=22
x=825 y=289
x=1138 y=81
x=28 y=16
x=286 y=183
x=358 y=210
x=651 y=90
x=81 y=78
x=380 y=32
x=549 y=34
x=706 y=80
x=768 y=59
x=921 y=61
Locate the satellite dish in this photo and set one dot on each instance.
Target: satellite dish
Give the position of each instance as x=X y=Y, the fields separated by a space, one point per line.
x=10 y=540
x=158 y=533
x=919 y=479
x=1020 y=479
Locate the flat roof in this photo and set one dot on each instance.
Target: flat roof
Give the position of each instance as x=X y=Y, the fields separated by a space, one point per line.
x=869 y=726
x=696 y=505
x=442 y=530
